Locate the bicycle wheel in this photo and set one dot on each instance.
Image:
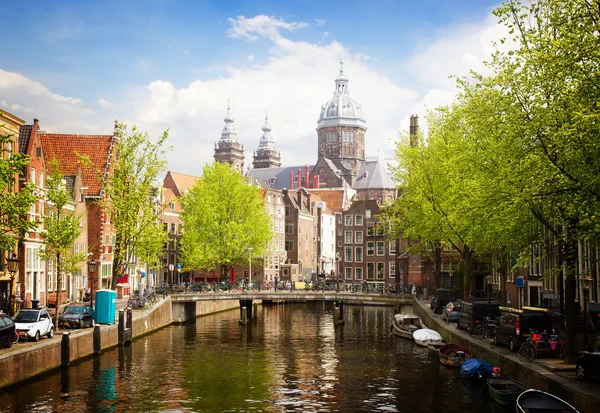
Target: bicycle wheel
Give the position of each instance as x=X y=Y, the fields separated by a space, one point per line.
x=15 y=338
x=483 y=332
x=526 y=352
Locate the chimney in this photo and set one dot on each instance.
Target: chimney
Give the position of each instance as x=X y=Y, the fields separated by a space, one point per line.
x=306 y=173
x=414 y=127
x=291 y=179
x=316 y=181
x=299 y=178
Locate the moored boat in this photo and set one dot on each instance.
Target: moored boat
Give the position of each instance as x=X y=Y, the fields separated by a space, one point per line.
x=453 y=355
x=425 y=337
x=404 y=325
x=476 y=368
x=537 y=401
x=505 y=390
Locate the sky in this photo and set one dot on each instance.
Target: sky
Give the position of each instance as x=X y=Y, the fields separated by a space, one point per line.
x=79 y=65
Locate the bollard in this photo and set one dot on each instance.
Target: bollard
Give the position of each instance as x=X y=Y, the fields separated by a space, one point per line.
x=129 y=318
x=97 y=340
x=65 y=350
x=121 y=327
x=255 y=310
x=244 y=319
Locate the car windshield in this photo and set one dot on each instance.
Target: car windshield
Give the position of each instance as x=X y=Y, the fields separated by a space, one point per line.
x=74 y=310
x=26 y=316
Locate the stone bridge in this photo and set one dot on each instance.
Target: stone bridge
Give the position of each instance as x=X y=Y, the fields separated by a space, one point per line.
x=187 y=307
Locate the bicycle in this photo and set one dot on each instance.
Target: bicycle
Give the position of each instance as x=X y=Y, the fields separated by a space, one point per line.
x=487 y=329
x=540 y=343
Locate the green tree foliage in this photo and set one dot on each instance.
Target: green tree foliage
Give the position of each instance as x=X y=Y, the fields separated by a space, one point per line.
x=13 y=206
x=61 y=230
x=223 y=216
x=130 y=197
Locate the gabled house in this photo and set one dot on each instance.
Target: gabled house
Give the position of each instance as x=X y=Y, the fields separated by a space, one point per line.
x=100 y=150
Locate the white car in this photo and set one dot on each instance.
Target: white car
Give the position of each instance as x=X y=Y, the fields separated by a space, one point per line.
x=33 y=323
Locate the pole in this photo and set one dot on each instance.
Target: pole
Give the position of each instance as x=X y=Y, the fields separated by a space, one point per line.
x=250 y=267
x=586 y=299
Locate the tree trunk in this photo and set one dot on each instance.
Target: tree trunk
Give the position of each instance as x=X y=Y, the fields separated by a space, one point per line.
x=467 y=259
x=570 y=293
x=58 y=280
x=437 y=260
x=117 y=260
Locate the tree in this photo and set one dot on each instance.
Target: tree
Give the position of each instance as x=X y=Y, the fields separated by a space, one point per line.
x=14 y=206
x=223 y=216
x=129 y=199
x=61 y=230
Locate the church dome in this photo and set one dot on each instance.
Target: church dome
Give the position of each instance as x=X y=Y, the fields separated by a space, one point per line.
x=341 y=109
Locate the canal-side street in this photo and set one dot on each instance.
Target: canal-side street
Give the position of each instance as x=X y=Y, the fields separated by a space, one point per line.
x=553 y=376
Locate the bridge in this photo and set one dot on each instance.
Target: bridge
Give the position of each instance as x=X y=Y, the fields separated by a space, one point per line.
x=186 y=307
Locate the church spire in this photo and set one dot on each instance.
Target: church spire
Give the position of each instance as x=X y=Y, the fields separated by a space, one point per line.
x=228 y=133
x=266 y=140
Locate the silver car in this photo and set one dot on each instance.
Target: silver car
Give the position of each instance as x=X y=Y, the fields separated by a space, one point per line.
x=450 y=312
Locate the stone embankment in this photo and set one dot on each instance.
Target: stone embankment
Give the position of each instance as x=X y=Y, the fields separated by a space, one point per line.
x=18 y=364
x=584 y=396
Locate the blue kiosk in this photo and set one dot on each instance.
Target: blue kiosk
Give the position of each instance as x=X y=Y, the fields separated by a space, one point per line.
x=106 y=306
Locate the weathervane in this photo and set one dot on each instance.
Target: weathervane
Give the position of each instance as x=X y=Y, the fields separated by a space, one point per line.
x=341 y=66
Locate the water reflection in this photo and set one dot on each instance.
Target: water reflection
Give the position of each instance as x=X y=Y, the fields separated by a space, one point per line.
x=291 y=359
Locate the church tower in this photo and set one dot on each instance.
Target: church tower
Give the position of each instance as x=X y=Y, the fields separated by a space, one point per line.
x=228 y=149
x=266 y=156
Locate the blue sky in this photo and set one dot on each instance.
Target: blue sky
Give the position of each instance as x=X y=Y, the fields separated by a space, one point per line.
x=78 y=65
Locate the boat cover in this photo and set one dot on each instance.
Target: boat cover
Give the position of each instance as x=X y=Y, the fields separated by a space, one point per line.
x=476 y=366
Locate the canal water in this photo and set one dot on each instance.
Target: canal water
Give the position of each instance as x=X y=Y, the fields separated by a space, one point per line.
x=291 y=359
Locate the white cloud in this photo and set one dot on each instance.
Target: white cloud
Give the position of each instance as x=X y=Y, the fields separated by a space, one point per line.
x=319 y=22
x=260 y=26
x=293 y=82
x=105 y=104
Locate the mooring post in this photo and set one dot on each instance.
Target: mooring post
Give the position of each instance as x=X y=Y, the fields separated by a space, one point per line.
x=65 y=350
x=255 y=310
x=341 y=311
x=121 y=327
x=244 y=317
x=97 y=340
x=129 y=318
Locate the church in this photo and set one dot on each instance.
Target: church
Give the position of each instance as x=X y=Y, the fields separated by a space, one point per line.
x=341 y=161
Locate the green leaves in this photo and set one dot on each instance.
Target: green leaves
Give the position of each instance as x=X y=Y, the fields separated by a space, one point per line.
x=223 y=216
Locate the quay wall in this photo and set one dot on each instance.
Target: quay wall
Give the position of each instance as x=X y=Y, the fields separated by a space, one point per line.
x=528 y=373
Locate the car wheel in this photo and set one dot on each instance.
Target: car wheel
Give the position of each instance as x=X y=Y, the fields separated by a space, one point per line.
x=93 y=323
x=37 y=336
x=511 y=345
x=51 y=332
x=9 y=342
x=581 y=371
x=81 y=324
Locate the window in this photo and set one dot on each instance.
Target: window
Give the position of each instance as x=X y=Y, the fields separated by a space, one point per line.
x=358 y=221
x=340 y=232
x=348 y=254
x=339 y=218
x=173 y=229
x=287 y=210
x=392 y=247
x=289 y=228
x=380 y=247
x=358 y=272
x=348 y=136
x=348 y=273
x=368 y=213
x=41 y=183
x=392 y=268
x=348 y=220
x=340 y=243
x=370 y=231
x=348 y=237
x=370 y=271
x=289 y=245
x=370 y=248
x=359 y=254
x=331 y=136
x=380 y=231
x=358 y=237
x=380 y=270
x=32 y=177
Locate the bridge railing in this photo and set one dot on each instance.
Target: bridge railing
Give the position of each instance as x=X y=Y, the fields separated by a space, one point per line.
x=241 y=286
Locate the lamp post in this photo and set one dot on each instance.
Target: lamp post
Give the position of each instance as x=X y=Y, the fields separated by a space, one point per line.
x=13 y=266
x=92 y=265
x=250 y=249
x=450 y=273
x=586 y=300
x=338 y=257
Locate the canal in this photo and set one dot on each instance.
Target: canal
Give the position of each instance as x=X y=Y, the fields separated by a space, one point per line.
x=291 y=359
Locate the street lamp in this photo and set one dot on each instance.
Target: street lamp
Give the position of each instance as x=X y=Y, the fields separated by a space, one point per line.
x=250 y=249
x=13 y=266
x=92 y=265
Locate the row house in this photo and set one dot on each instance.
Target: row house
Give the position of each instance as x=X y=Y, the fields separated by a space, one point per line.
x=9 y=126
x=300 y=236
x=268 y=266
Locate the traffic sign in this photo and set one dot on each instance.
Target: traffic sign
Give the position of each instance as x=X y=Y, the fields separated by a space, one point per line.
x=171 y=267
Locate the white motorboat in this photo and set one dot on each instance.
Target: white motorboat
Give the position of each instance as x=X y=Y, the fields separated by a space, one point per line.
x=426 y=337
x=404 y=325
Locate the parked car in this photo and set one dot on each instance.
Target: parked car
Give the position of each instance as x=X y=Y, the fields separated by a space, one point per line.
x=474 y=312
x=34 y=323
x=442 y=297
x=515 y=325
x=588 y=361
x=77 y=316
x=451 y=312
x=7 y=331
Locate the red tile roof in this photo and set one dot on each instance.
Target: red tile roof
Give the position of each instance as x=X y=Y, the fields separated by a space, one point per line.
x=183 y=182
x=65 y=148
x=334 y=198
